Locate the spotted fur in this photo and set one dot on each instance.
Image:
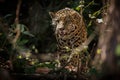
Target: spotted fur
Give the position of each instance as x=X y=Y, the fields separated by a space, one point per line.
x=70 y=30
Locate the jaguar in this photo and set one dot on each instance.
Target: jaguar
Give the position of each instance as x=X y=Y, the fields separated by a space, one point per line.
x=70 y=32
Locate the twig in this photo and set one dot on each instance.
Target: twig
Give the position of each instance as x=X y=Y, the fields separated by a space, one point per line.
x=18 y=11
x=17 y=30
x=83 y=46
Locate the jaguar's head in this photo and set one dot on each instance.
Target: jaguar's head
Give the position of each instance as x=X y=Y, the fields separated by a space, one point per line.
x=58 y=22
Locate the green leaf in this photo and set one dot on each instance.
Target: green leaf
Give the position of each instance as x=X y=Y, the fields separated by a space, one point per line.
x=117 y=51
x=22 y=42
x=77 y=8
x=8 y=15
x=90 y=23
x=28 y=33
x=22 y=27
x=97 y=13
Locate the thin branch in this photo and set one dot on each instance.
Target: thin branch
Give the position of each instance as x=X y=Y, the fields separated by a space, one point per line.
x=18 y=11
x=84 y=45
x=17 y=30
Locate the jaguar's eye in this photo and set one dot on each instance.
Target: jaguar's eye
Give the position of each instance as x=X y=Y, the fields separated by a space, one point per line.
x=57 y=21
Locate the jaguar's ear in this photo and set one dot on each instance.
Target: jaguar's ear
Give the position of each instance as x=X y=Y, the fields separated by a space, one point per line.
x=52 y=14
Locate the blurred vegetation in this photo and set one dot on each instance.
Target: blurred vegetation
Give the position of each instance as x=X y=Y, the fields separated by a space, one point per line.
x=37 y=34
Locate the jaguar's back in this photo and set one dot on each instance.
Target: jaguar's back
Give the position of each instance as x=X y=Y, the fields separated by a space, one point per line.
x=70 y=31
